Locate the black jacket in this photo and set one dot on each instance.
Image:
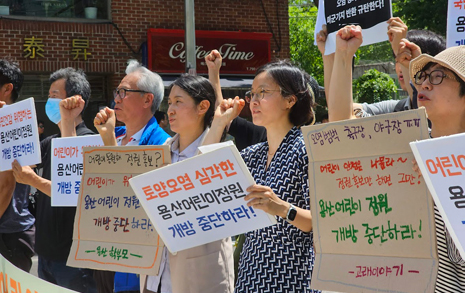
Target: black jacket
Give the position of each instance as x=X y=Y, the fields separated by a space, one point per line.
x=54 y=225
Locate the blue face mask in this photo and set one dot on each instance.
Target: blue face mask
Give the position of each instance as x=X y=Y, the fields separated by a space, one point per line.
x=52 y=109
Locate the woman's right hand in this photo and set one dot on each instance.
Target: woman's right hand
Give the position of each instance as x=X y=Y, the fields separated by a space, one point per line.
x=348 y=40
x=228 y=110
x=321 y=37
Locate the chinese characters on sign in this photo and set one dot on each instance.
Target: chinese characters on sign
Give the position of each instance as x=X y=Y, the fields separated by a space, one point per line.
x=80 y=47
x=372 y=215
x=34 y=48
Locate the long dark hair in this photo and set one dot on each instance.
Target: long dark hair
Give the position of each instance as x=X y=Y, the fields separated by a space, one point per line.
x=293 y=81
x=199 y=88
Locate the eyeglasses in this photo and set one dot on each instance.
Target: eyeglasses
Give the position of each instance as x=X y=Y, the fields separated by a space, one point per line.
x=435 y=77
x=249 y=96
x=122 y=92
x=40 y=126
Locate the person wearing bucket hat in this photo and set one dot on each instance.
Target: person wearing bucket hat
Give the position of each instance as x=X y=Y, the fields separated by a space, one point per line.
x=440 y=82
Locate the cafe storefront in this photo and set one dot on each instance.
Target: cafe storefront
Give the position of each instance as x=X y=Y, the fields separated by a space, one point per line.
x=100 y=36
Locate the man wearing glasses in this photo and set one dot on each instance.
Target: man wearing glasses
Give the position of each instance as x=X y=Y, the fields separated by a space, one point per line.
x=137 y=98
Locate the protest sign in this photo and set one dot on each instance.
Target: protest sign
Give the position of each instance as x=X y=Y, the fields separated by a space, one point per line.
x=200 y=200
x=455 y=23
x=19 y=136
x=67 y=166
x=442 y=164
x=370 y=15
x=373 y=221
x=15 y=280
x=111 y=229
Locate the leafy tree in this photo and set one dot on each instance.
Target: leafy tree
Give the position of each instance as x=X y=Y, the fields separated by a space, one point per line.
x=302 y=20
x=373 y=87
x=422 y=14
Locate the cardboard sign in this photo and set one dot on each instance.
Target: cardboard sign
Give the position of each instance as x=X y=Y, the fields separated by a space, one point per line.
x=442 y=164
x=455 y=23
x=19 y=135
x=111 y=229
x=16 y=280
x=371 y=15
x=200 y=200
x=373 y=221
x=67 y=167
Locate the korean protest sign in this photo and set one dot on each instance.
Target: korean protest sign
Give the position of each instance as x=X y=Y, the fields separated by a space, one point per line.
x=19 y=136
x=13 y=279
x=67 y=167
x=370 y=15
x=200 y=200
x=373 y=221
x=442 y=164
x=456 y=23
x=111 y=229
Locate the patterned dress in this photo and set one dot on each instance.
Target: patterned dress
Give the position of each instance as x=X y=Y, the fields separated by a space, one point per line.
x=279 y=258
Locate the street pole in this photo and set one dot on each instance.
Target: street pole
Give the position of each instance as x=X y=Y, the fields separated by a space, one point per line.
x=189 y=40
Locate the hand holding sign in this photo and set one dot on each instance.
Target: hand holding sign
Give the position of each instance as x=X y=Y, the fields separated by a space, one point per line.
x=349 y=39
x=397 y=30
x=104 y=122
x=24 y=175
x=321 y=39
x=2 y=104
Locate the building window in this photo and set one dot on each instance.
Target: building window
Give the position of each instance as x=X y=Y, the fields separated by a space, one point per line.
x=85 y=9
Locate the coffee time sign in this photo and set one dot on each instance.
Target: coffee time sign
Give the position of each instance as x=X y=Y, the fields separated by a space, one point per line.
x=243 y=53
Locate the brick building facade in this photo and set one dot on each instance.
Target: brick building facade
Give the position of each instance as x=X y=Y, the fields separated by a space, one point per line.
x=109 y=49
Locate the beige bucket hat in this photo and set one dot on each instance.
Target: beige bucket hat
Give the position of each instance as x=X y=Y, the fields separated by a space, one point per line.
x=452 y=58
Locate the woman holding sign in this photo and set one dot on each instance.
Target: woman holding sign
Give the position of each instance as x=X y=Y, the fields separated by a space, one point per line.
x=440 y=82
x=205 y=268
x=278 y=258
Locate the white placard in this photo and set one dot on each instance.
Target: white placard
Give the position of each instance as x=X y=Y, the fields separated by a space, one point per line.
x=209 y=204
x=19 y=136
x=442 y=164
x=67 y=167
x=455 y=23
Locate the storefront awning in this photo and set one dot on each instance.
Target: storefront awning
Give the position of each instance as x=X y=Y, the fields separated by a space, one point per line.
x=226 y=82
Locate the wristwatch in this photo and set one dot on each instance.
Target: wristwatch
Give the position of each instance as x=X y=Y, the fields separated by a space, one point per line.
x=291 y=213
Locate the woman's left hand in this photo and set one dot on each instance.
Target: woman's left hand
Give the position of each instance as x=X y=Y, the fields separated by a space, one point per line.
x=263 y=198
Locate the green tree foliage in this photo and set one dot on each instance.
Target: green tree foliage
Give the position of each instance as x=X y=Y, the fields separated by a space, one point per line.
x=303 y=52
x=422 y=14
x=373 y=87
